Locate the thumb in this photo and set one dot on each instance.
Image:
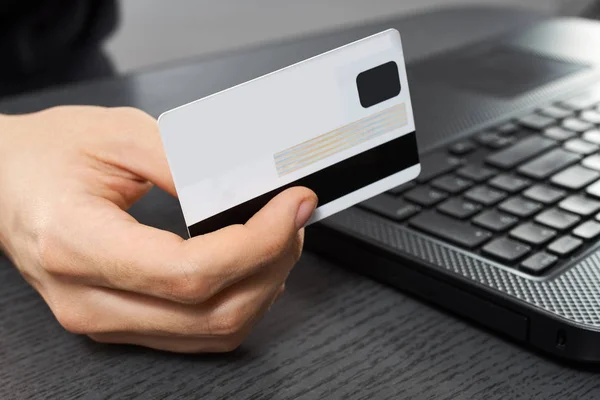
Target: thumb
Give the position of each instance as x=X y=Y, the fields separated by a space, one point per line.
x=285 y=214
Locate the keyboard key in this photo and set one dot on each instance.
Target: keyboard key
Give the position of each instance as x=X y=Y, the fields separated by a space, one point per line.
x=565 y=245
x=485 y=195
x=532 y=234
x=592 y=162
x=547 y=164
x=591 y=116
x=536 y=121
x=581 y=101
x=476 y=173
x=580 y=205
x=558 y=133
x=520 y=207
x=557 y=219
x=485 y=138
x=452 y=184
x=509 y=183
x=398 y=190
x=556 y=112
x=390 y=207
x=457 y=232
x=520 y=152
x=495 y=140
x=500 y=142
x=576 y=125
x=495 y=220
x=594 y=189
x=588 y=230
x=507 y=129
x=459 y=208
x=544 y=194
x=436 y=164
x=462 y=148
x=575 y=177
x=538 y=263
x=592 y=136
x=580 y=146
x=506 y=250
x=425 y=196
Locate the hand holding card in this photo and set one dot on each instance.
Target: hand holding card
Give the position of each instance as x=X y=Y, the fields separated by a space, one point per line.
x=106 y=275
x=340 y=124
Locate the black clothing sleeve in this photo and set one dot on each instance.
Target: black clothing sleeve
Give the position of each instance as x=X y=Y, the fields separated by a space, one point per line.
x=40 y=40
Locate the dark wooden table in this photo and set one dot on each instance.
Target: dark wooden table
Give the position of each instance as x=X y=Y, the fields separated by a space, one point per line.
x=334 y=334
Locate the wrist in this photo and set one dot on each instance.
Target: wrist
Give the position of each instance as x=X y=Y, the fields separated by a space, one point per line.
x=4 y=135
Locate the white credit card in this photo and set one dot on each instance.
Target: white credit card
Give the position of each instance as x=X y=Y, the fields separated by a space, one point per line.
x=340 y=123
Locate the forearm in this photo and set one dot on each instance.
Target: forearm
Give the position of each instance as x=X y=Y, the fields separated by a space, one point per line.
x=3 y=130
x=4 y=149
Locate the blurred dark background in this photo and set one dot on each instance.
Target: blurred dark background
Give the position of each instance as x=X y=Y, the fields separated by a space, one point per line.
x=51 y=42
x=154 y=31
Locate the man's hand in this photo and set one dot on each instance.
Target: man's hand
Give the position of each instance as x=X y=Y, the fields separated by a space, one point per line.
x=67 y=177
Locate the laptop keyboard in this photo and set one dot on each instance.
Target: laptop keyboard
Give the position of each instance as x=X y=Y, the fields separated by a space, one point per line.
x=525 y=193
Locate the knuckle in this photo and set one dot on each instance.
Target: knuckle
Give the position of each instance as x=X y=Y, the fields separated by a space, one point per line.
x=62 y=111
x=128 y=110
x=188 y=287
x=189 y=291
x=227 y=325
x=71 y=320
x=49 y=250
x=134 y=114
x=135 y=122
x=58 y=109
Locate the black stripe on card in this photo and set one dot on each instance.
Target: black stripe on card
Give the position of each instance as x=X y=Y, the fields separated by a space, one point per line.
x=330 y=183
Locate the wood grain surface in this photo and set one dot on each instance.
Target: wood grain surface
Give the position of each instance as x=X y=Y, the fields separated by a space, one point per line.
x=333 y=334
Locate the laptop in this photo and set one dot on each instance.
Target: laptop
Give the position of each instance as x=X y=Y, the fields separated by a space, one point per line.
x=502 y=226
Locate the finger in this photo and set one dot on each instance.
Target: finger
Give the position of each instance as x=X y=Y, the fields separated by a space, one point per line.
x=119 y=253
x=138 y=147
x=272 y=232
x=230 y=315
x=134 y=143
x=208 y=344
x=270 y=235
x=148 y=158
